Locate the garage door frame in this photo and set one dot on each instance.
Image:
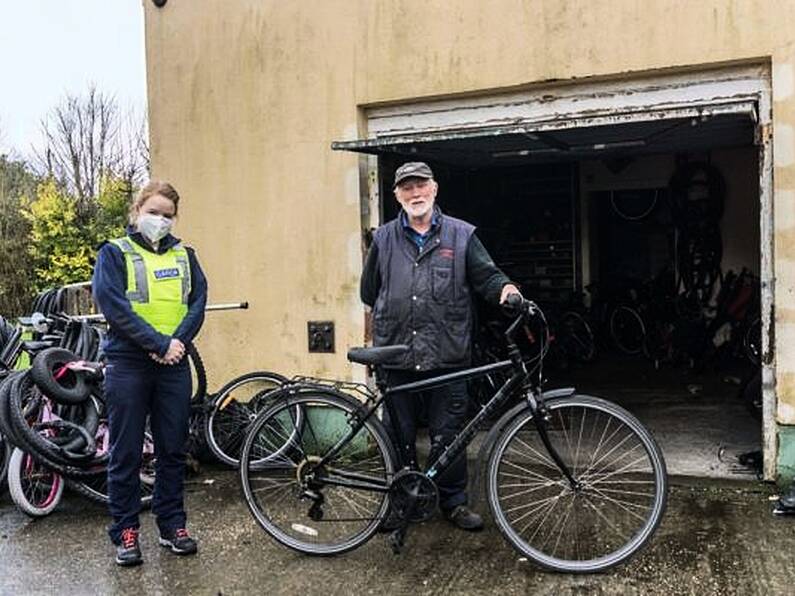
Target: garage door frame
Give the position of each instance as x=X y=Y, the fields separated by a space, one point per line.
x=691 y=93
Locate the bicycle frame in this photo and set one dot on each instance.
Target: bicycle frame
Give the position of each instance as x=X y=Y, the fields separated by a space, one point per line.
x=364 y=482
x=519 y=379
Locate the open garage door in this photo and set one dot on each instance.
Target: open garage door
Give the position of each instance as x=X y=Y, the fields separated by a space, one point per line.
x=566 y=138
x=545 y=141
x=657 y=109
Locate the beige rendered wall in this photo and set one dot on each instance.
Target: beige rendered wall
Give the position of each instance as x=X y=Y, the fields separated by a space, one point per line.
x=246 y=96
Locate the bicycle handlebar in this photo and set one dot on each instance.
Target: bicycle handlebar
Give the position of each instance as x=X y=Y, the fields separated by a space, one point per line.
x=517 y=306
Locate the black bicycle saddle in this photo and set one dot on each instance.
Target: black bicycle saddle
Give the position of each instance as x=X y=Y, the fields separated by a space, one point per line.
x=372 y=356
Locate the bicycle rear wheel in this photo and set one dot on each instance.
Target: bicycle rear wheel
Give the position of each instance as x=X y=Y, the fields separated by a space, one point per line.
x=317 y=509
x=605 y=520
x=233 y=409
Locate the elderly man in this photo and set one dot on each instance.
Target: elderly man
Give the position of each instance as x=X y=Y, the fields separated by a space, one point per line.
x=420 y=278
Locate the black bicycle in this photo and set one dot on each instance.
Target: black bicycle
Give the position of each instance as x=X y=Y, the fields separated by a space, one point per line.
x=575 y=483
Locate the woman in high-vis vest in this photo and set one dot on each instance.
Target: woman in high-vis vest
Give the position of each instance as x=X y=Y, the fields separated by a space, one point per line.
x=152 y=292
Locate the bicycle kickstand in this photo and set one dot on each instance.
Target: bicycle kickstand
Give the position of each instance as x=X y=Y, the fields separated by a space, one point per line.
x=397 y=538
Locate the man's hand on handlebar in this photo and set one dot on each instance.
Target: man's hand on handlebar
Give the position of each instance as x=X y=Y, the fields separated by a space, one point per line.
x=514 y=304
x=509 y=290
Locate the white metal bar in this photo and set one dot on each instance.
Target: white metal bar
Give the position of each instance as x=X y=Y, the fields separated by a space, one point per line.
x=79 y=284
x=98 y=318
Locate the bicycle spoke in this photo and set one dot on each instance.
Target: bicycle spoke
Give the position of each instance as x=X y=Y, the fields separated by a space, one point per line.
x=535 y=505
x=563 y=522
x=623 y=470
x=547 y=509
x=579 y=443
x=625 y=505
x=541 y=456
x=524 y=492
x=525 y=470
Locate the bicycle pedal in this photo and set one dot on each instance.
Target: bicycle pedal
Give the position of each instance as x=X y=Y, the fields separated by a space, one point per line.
x=396 y=540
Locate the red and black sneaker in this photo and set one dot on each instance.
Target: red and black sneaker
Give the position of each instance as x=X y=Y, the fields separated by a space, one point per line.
x=179 y=541
x=128 y=552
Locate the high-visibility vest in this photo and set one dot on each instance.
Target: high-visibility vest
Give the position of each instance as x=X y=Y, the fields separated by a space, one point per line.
x=158 y=285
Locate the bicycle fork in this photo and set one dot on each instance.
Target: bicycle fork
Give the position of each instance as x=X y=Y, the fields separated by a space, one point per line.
x=541 y=417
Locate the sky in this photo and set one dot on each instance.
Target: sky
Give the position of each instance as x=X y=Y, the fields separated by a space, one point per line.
x=52 y=47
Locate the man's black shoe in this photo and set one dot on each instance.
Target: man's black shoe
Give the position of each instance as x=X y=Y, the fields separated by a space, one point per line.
x=179 y=542
x=128 y=552
x=464 y=518
x=781 y=509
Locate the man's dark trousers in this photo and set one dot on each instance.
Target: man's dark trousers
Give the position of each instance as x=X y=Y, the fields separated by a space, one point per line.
x=135 y=388
x=446 y=409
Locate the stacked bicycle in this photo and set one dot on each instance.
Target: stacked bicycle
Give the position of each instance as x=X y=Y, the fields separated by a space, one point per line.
x=53 y=428
x=575 y=483
x=52 y=416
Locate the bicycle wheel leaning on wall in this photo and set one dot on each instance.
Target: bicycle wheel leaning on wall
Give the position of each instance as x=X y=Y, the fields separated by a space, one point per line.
x=233 y=408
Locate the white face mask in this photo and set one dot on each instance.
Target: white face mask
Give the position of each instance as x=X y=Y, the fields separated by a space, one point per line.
x=154 y=227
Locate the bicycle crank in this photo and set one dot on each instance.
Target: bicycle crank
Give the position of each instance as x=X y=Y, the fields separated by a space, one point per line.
x=413 y=496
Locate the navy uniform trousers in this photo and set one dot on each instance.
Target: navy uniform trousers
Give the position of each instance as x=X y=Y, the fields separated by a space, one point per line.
x=446 y=410
x=134 y=389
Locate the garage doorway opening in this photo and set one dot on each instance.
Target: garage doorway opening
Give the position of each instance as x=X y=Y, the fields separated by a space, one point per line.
x=644 y=233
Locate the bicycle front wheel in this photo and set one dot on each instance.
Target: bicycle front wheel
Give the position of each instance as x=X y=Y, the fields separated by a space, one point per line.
x=312 y=507
x=608 y=516
x=35 y=489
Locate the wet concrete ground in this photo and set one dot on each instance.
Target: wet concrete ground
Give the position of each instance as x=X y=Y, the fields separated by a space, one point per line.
x=715 y=539
x=700 y=423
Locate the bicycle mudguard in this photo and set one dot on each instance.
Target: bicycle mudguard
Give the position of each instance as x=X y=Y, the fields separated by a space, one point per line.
x=290 y=389
x=496 y=430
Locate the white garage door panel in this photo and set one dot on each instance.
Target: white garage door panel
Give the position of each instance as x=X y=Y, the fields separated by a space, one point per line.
x=718 y=91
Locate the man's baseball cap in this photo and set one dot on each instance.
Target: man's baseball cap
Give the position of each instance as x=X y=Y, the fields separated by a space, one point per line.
x=412 y=169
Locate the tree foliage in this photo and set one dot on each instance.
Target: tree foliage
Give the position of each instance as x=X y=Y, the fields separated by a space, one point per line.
x=75 y=193
x=62 y=251
x=16 y=268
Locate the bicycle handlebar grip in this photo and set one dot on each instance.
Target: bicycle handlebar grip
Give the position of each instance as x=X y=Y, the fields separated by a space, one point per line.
x=513 y=305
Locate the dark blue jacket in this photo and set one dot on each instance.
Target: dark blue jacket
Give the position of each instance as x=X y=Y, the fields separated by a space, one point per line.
x=128 y=334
